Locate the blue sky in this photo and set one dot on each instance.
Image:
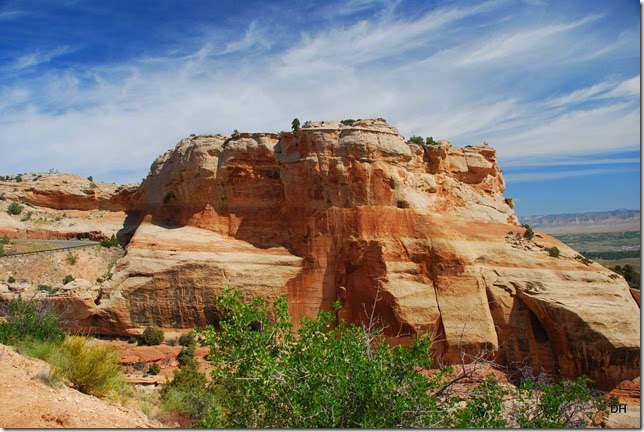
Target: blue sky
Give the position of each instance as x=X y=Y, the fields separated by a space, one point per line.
x=103 y=87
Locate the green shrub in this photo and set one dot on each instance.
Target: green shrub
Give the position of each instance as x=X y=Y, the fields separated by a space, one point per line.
x=139 y=365
x=186 y=356
x=11 y=279
x=483 y=409
x=30 y=320
x=323 y=375
x=47 y=288
x=528 y=233
x=92 y=185
x=133 y=340
x=67 y=279
x=113 y=241
x=583 y=260
x=14 y=208
x=348 y=122
x=151 y=336
x=417 y=140
x=553 y=251
x=18 y=178
x=187 y=339
x=567 y=404
x=90 y=178
x=189 y=394
x=295 y=124
x=71 y=258
x=631 y=276
x=154 y=369
x=91 y=369
x=430 y=141
x=4 y=240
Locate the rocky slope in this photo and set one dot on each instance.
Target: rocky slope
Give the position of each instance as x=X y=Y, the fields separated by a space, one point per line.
x=421 y=236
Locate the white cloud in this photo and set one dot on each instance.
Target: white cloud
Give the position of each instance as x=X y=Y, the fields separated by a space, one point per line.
x=38 y=57
x=557 y=175
x=409 y=70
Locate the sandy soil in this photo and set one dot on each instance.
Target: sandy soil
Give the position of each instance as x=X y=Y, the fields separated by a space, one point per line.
x=28 y=402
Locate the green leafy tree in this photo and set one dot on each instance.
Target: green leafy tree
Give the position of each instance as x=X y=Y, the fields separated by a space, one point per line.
x=553 y=251
x=295 y=124
x=325 y=374
x=528 y=233
x=417 y=140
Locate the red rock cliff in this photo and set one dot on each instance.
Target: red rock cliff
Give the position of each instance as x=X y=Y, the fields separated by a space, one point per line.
x=354 y=213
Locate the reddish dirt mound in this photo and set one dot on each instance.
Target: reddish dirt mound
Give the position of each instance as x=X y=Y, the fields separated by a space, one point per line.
x=28 y=402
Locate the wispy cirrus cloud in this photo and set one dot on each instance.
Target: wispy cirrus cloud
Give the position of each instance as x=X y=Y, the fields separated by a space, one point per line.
x=38 y=57
x=466 y=73
x=525 y=177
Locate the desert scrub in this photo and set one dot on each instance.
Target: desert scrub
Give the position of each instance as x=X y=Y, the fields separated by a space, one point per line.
x=71 y=258
x=30 y=320
x=151 y=336
x=14 y=208
x=91 y=369
x=325 y=374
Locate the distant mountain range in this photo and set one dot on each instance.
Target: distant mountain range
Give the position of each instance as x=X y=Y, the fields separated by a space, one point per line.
x=607 y=221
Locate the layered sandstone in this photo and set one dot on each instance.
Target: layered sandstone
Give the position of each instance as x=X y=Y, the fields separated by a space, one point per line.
x=354 y=213
x=63 y=206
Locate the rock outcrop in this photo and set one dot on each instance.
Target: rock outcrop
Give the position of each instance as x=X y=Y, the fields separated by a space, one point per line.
x=421 y=236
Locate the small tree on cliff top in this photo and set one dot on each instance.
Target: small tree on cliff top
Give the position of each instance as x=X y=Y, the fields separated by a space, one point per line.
x=295 y=124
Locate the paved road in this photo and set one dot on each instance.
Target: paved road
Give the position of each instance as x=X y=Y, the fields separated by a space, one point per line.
x=59 y=243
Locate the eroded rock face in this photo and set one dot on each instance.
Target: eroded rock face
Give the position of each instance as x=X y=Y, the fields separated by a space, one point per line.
x=354 y=213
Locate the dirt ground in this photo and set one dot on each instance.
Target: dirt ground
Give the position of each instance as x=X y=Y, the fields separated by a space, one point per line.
x=27 y=401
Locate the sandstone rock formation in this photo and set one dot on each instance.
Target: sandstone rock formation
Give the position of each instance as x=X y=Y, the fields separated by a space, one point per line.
x=421 y=236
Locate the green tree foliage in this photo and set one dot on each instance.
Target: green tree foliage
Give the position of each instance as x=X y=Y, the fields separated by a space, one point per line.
x=630 y=274
x=112 y=242
x=67 y=279
x=295 y=124
x=18 y=178
x=528 y=233
x=417 y=140
x=430 y=141
x=553 y=251
x=566 y=404
x=30 y=320
x=154 y=369
x=90 y=178
x=151 y=336
x=325 y=374
x=348 y=122
x=14 y=208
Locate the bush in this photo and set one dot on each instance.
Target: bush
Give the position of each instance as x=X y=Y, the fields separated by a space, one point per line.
x=18 y=178
x=528 y=233
x=92 y=185
x=187 y=356
x=430 y=141
x=14 y=208
x=187 y=339
x=67 y=279
x=91 y=369
x=189 y=394
x=71 y=258
x=139 y=365
x=154 y=369
x=151 y=336
x=630 y=275
x=4 y=240
x=295 y=124
x=90 y=178
x=417 y=140
x=347 y=122
x=30 y=320
x=553 y=251
x=113 y=241
x=323 y=375
x=583 y=260
x=11 y=279
x=568 y=404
